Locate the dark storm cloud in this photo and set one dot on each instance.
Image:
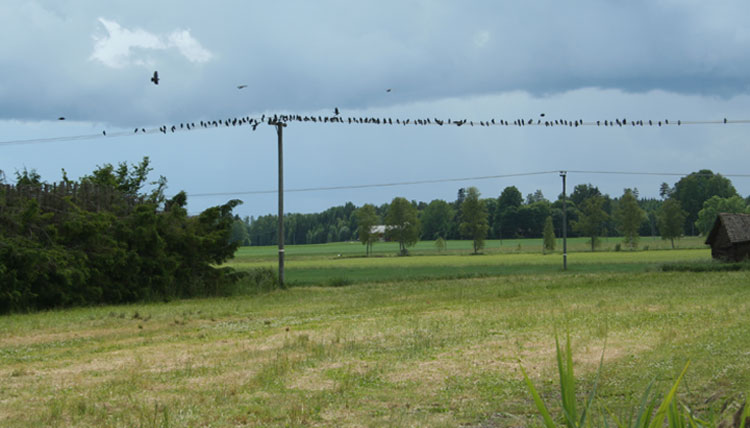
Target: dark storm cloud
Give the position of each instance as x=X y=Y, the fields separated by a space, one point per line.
x=303 y=55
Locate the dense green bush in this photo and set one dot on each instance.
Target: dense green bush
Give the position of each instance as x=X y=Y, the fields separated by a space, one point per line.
x=131 y=248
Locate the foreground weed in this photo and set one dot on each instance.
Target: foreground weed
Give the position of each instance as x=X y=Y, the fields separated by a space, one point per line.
x=669 y=410
x=567 y=389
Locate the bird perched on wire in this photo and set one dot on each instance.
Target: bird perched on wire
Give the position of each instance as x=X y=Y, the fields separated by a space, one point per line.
x=336 y=111
x=155 y=78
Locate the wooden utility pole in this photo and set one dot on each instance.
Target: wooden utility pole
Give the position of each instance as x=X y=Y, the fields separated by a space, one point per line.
x=565 y=224
x=279 y=130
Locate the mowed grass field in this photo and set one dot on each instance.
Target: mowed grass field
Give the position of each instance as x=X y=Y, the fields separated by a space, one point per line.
x=406 y=351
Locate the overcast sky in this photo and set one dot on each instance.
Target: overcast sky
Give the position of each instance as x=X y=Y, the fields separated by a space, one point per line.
x=91 y=62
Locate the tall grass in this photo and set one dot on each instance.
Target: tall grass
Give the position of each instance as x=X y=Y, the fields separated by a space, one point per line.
x=668 y=413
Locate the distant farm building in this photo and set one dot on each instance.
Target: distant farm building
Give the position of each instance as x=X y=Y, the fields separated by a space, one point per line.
x=730 y=237
x=379 y=230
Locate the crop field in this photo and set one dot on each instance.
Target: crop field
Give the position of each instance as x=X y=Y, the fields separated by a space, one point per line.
x=389 y=349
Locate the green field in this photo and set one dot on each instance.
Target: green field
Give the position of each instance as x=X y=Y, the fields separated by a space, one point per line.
x=344 y=263
x=406 y=351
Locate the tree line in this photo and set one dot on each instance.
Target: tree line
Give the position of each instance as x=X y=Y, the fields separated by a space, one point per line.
x=688 y=207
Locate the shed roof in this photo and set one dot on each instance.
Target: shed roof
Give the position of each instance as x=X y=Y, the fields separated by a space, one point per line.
x=736 y=225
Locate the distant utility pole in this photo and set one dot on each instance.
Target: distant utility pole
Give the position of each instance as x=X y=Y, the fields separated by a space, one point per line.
x=279 y=130
x=564 y=225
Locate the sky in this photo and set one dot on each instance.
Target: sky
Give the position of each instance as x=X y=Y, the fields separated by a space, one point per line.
x=91 y=62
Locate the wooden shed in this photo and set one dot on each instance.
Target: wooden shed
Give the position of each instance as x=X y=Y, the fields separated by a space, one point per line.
x=730 y=237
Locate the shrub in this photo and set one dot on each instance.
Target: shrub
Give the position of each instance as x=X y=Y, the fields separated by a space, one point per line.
x=101 y=243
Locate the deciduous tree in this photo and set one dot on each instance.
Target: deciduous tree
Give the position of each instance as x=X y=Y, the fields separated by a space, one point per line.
x=694 y=189
x=715 y=205
x=366 y=219
x=474 y=224
x=436 y=219
x=629 y=217
x=671 y=219
x=591 y=219
x=506 y=217
x=402 y=224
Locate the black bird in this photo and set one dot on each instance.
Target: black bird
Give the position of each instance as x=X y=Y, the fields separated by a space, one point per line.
x=60 y=118
x=143 y=130
x=725 y=120
x=135 y=131
x=155 y=78
x=104 y=133
x=388 y=90
x=241 y=86
x=336 y=111
x=542 y=115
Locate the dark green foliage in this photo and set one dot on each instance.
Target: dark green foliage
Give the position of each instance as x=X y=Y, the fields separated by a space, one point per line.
x=402 y=224
x=474 y=223
x=61 y=254
x=366 y=219
x=592 y=219
x=436 y=219
x=262 y=279
x=706 y=267
x=332 y=225
x=671 y=218
x=629 y=217
x=549 y=235
x=694 y=189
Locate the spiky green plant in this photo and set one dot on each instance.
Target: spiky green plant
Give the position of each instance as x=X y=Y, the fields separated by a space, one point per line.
x=648 y=416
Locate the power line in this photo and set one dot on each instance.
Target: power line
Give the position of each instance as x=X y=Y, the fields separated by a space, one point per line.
x=253 y=122
x=655 y=173
x=367 y=186
x=449 y=180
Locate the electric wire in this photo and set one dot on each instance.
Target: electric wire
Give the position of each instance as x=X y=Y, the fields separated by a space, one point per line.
x=450 y=180
x=367 y=186
x=254 y=122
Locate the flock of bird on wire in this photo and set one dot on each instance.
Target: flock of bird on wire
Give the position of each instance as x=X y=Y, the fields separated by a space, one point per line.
x=278 y=119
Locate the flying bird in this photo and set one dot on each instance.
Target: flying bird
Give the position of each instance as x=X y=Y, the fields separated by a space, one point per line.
x=241 y=86
x=60 y=118
x=388 y=90
x=155 y=78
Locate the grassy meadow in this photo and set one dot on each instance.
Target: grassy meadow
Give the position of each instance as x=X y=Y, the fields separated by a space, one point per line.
x=434 y=339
